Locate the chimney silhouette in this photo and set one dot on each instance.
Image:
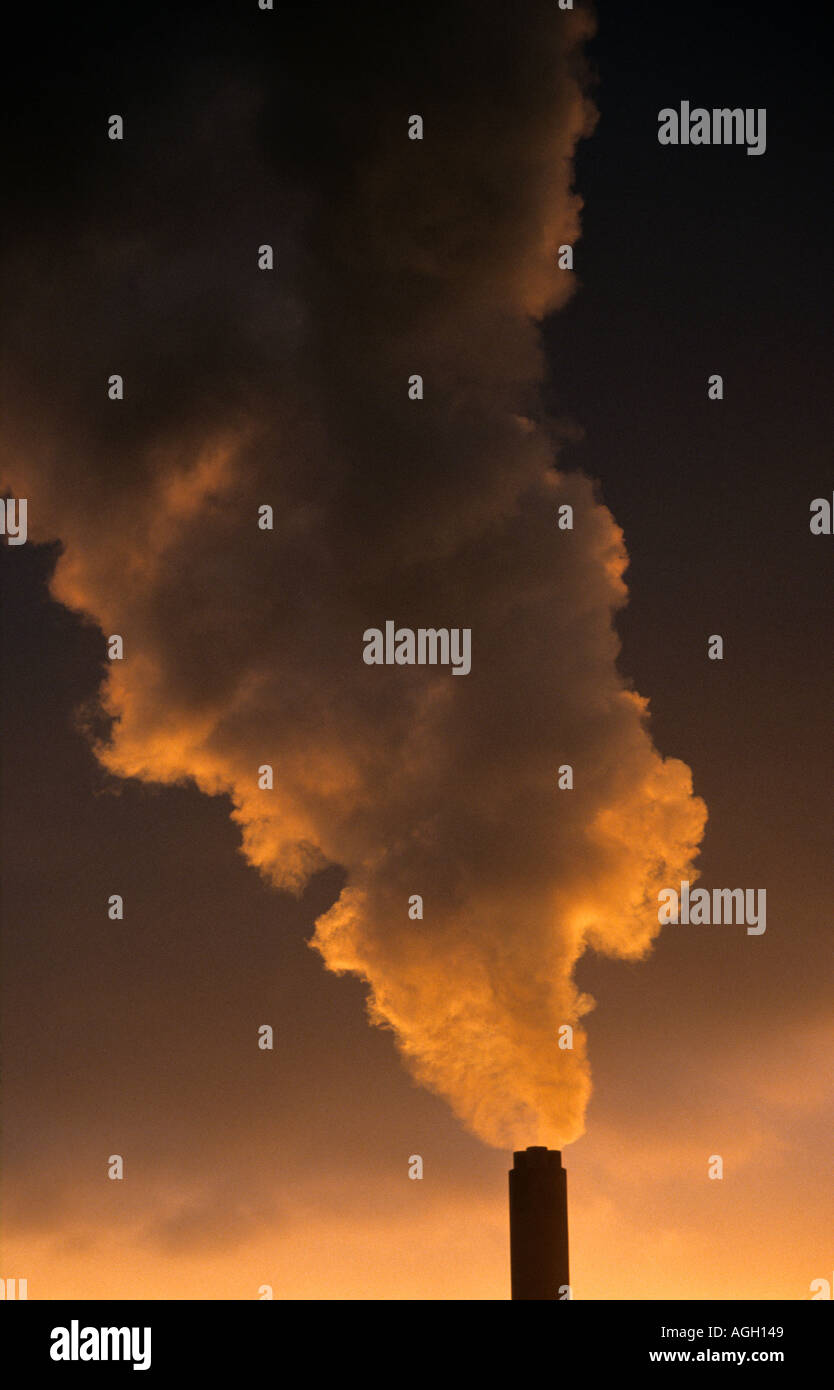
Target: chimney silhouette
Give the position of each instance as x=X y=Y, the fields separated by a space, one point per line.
x=539 y=1224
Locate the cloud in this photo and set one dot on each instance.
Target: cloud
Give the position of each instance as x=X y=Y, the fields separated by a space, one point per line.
x=289 y=388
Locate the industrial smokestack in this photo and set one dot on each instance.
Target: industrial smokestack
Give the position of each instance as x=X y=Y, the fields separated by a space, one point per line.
x=539 y=1225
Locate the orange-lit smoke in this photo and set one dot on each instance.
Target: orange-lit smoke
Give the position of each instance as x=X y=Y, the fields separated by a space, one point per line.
x=243 y=647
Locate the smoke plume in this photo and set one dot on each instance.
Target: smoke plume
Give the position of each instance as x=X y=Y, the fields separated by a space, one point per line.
x=289 y=388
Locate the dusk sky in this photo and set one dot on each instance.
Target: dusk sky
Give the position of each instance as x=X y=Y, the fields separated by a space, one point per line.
x=289 y=385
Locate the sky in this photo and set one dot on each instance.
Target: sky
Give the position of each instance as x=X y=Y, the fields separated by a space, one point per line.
x=245 y=906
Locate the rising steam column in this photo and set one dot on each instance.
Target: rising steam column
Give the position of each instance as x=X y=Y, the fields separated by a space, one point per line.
x=539 y=1225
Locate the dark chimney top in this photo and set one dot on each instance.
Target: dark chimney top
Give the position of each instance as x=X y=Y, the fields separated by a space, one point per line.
x=539 y=1225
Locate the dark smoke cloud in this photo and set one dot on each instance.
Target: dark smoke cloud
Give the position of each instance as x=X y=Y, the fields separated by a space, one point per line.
x=288 y=388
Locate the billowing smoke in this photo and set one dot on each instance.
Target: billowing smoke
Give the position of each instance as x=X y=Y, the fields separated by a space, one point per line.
x=288 y=388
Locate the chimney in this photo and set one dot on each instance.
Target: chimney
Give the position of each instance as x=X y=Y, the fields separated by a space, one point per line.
x=539 y=1225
